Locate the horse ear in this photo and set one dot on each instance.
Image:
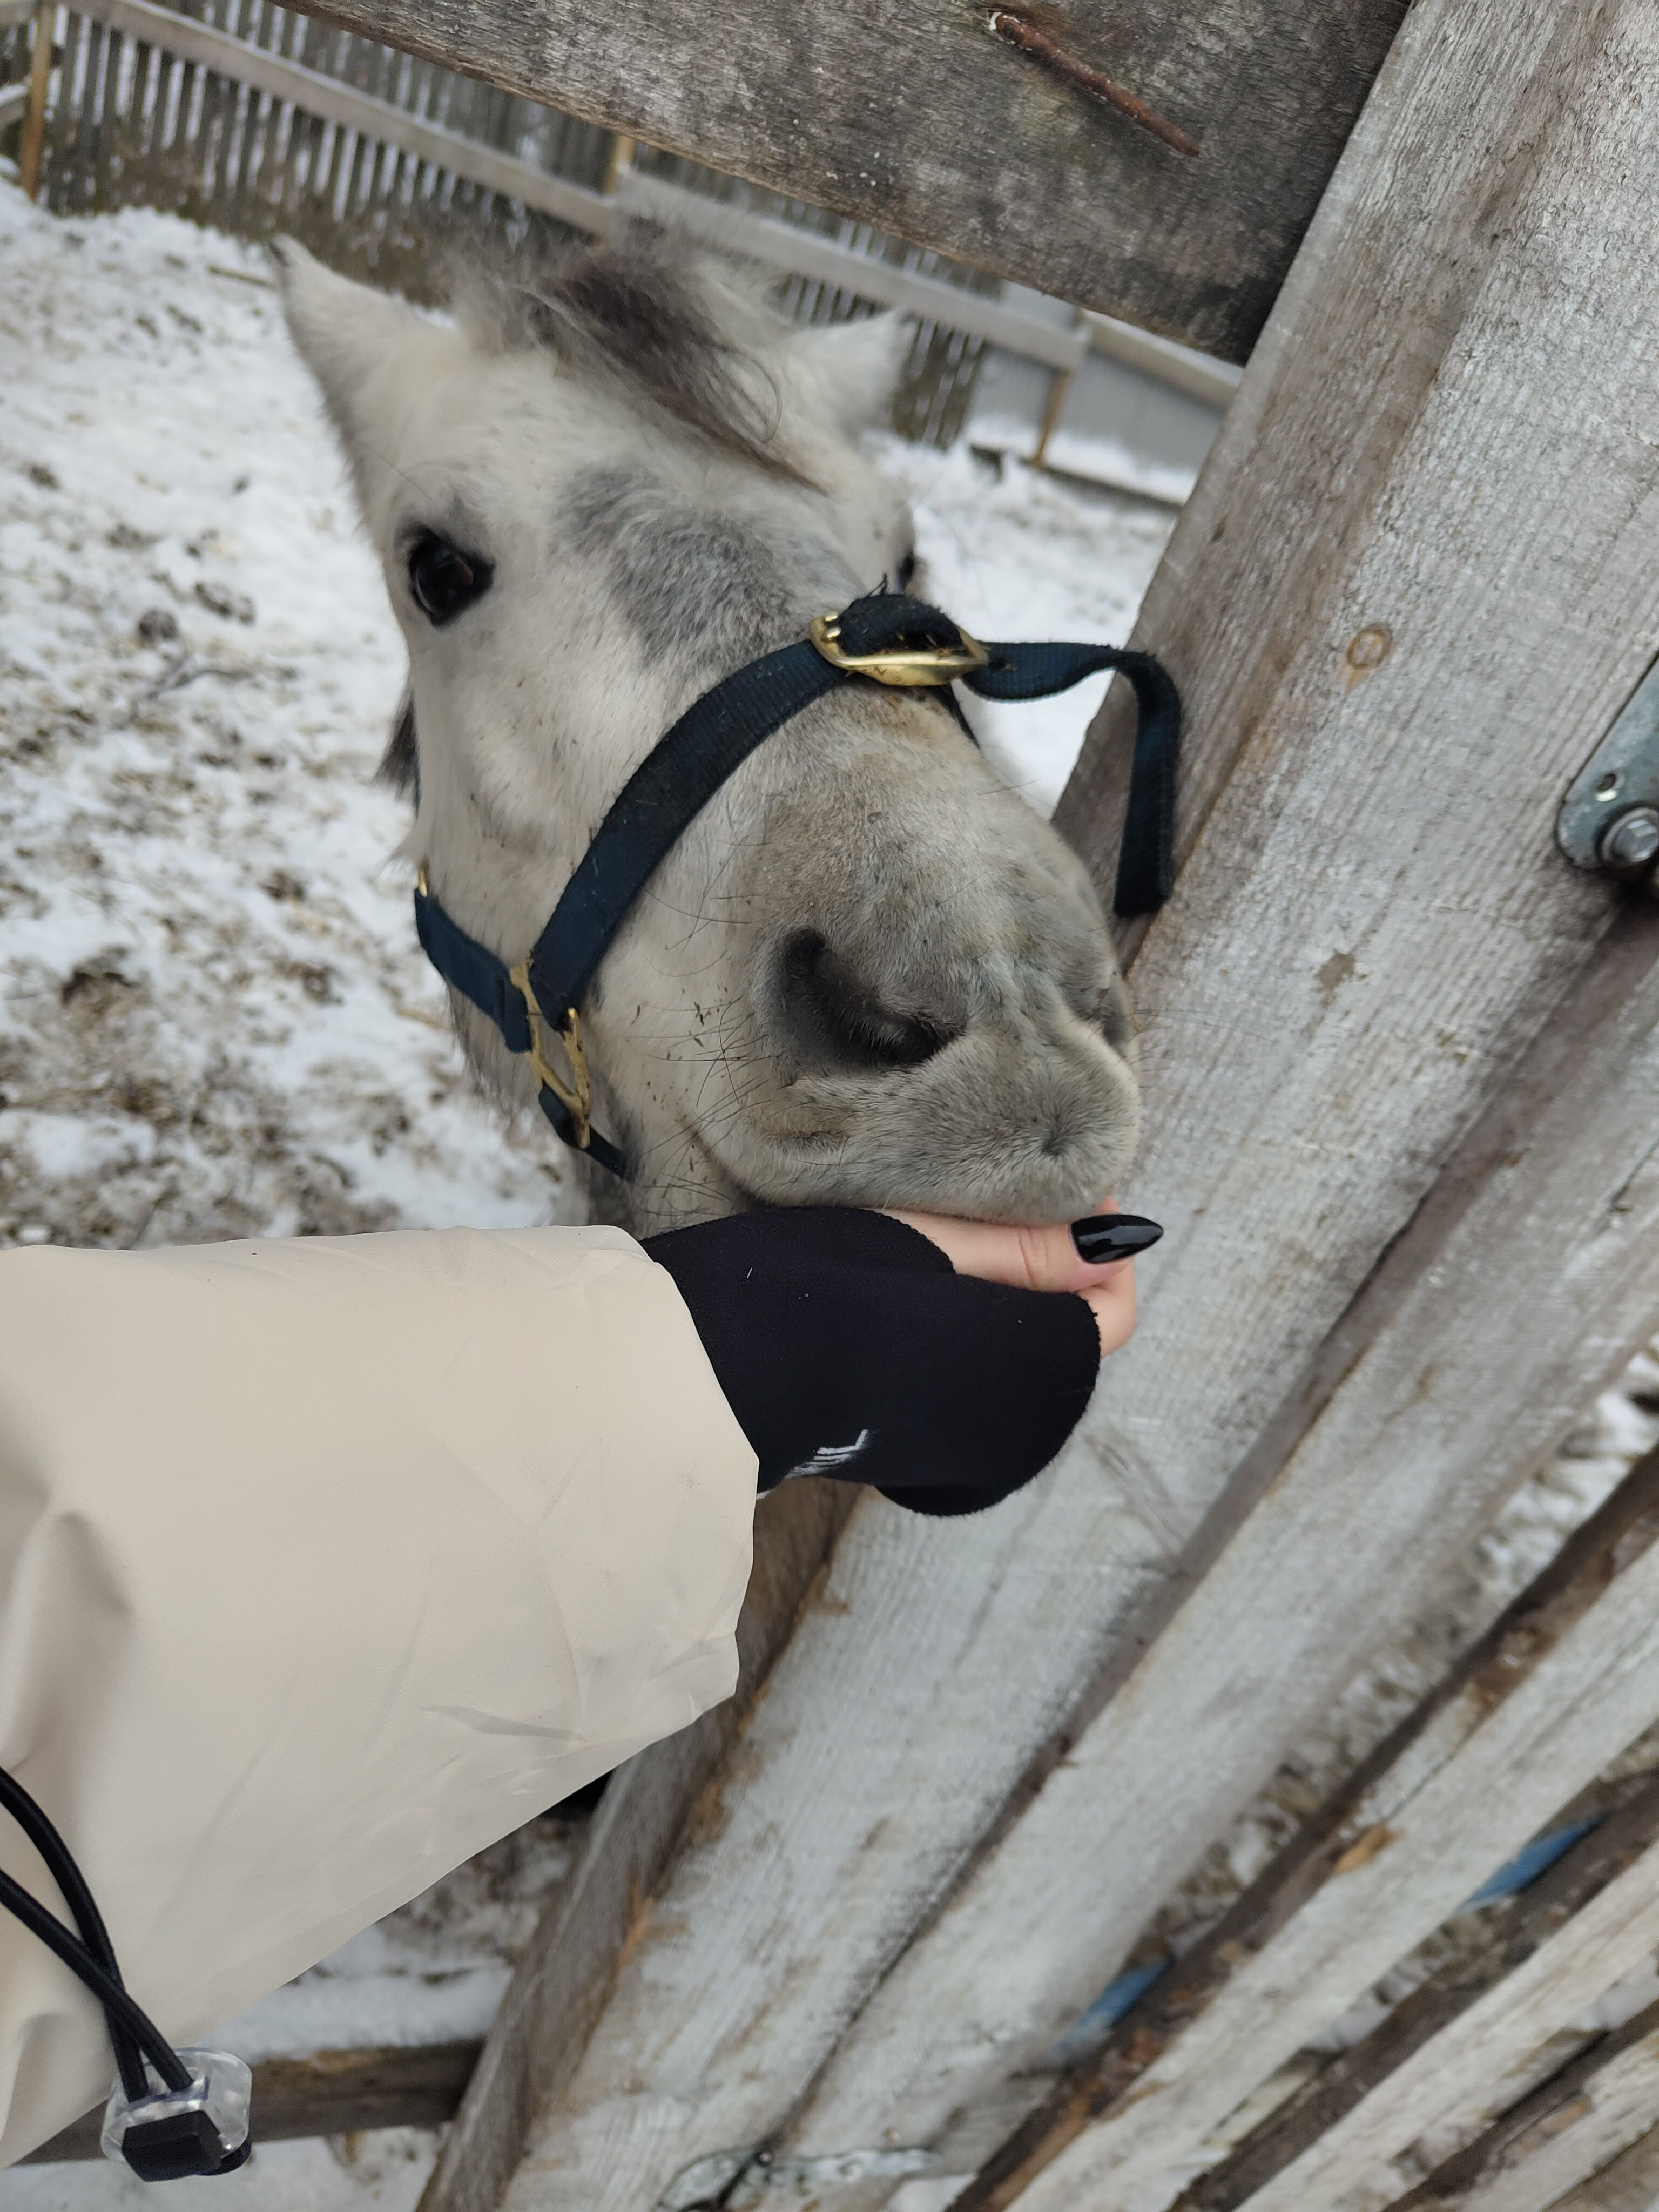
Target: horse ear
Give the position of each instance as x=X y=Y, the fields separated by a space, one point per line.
x=857 y=365
x=348 y=335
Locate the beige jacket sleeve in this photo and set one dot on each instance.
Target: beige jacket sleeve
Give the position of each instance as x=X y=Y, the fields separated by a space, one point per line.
x=322 y=1565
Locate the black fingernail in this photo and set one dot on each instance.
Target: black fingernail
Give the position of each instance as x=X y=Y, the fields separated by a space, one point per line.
x=1113 y=1237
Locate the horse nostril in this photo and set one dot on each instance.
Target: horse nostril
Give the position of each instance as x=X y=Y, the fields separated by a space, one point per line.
x=834 y=1021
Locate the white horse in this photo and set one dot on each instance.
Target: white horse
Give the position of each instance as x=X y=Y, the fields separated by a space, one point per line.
x=869 y=974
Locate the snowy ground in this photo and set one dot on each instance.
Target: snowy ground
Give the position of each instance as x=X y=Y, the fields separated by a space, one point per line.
x=214 y=1019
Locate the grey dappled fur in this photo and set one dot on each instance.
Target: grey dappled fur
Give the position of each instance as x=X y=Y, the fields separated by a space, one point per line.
x=687 y=581
x=868 y=973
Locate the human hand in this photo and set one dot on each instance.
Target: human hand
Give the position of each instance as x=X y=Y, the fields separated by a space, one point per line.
x=926 y=1357
x=1035 y=1257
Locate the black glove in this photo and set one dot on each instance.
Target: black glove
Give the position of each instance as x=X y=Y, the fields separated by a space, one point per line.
x=847 y=1345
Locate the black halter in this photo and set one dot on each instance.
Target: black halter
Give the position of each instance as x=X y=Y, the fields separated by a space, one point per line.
x=886 y=636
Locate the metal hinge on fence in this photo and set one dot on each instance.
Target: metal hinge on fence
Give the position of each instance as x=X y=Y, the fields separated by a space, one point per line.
x=734 y=2180
x=1609 y=818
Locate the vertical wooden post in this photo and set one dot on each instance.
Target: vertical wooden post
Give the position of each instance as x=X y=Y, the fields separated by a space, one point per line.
x=1059 y=390
x=34 y=115
x=620 y=157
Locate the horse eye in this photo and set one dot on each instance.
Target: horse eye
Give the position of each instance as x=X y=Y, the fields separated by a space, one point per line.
x=444 y=579
x=907 y=570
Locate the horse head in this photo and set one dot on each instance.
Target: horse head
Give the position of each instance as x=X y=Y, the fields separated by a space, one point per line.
x=869 y=973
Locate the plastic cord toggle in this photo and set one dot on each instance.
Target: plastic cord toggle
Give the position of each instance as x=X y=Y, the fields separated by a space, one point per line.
x=196 y=2120
x=174 y=2133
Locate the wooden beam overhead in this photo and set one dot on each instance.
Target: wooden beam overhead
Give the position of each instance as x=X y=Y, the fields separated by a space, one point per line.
x=915 y=116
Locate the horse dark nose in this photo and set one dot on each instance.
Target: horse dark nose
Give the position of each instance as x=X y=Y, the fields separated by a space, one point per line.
x=836 y=1021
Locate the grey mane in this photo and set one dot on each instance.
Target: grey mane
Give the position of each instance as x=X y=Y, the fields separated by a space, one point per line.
x=400 y=763
x=628 y=314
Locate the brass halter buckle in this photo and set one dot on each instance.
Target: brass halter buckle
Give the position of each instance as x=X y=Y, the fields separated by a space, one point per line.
x=576 y=1095
x=910 y=667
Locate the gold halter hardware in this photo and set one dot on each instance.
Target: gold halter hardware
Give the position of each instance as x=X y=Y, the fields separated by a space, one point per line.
x=906 y=667
x=577 y=1096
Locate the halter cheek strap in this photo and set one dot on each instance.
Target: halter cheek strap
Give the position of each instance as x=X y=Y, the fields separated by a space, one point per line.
x=887 y=638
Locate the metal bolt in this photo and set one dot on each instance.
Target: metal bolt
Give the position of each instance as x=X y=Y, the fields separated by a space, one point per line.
x=1630 y=843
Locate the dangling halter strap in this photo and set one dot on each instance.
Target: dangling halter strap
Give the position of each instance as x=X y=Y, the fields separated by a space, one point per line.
x=886 y=637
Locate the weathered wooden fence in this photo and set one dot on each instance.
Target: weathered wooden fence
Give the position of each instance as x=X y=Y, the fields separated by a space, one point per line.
x=1401 y=1067
x=257 y=119
x=138 y=120
x=1396 y=1050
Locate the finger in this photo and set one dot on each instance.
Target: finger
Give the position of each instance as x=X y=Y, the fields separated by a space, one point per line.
x=1113 y=1305
x=1031 y=1256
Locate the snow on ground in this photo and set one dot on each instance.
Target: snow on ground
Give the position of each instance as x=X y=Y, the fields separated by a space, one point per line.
x=213 y=1018
x=213 y=1021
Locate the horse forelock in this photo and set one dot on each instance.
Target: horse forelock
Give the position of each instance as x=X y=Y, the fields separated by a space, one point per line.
x=627 y=314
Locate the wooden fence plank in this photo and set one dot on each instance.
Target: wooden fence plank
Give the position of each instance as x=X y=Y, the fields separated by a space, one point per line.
x=105 y=106
x=1445 y=1402
x=1580 y=2121
x=858 y=1777
x=1182 y=1772
x=1511 y=1933
x=329 y=2092
x=1630 y=2183
x=1442 y=1832
x=97 y=39
x=32 y=142
x=1372 y=920
x=1403 y=1470
x=918 y=120
x=1447 y=2082
x=602 y=1914
x=1490 y=1670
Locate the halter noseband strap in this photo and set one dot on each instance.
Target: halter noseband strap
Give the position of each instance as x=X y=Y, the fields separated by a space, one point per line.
x=887 y=637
